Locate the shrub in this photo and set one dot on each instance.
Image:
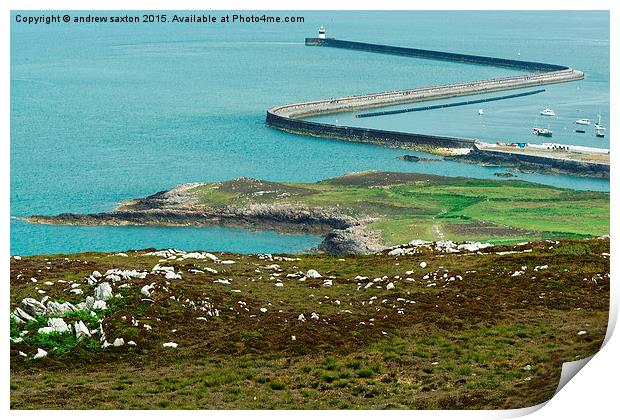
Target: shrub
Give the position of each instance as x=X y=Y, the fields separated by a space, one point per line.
x=364 y=373
x=277 y=386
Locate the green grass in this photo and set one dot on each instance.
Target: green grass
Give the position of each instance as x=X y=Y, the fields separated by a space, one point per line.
x=427 y=207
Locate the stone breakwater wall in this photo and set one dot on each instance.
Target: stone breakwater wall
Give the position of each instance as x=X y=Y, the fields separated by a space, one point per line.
x=537 y=163
x=289 y=117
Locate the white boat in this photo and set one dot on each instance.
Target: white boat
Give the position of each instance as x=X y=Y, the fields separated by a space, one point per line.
x=481 y=111
x=547 y=112
x=599 y=130
x=583 y=121
x=545 y=132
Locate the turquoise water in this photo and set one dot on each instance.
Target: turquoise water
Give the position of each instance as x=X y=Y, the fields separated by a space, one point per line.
x=103 y=113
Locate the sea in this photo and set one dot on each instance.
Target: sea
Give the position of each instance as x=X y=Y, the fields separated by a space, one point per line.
x=102 y=113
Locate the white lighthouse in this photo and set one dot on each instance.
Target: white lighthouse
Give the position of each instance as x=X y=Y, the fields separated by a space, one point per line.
x=321 y=32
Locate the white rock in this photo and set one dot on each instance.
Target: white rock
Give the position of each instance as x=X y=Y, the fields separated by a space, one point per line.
x=146 y=290
x=396 y=252
x=131 y=343
x=118 y=342
x=582 y=332
x=33 y=307
x=17 y=257
x=40 y=354
x=170 y=344
x=103 y=291
x=170 y=275
x=100 y=305
x=423 y=264
x=279 y=284
x=58 y=324
x=328 y=283
x=113 y=277
x=313 y=274
x=22 y=316
x=301 y=318
x=263 y=310
x=96 y=274
x=22 y=354
x=222 y=281
x=45 y=330
x=227 y=262
x=390 y=286
x=80 y=330
x=314 y=316
x=56 y=308
x=293 y=338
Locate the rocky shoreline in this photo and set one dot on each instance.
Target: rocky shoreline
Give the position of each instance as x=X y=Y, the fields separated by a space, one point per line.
x=533 y=163
x=343 y=234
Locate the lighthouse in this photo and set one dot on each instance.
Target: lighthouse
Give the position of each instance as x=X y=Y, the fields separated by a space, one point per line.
x=321 y=32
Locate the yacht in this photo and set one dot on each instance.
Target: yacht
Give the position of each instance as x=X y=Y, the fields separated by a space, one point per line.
x=599 y=130
x=481 y=111
x=583 y=121
x=547 y=112
x=545 y=132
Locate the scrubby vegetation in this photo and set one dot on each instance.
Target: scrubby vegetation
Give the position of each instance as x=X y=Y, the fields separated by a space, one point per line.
x=483 y=329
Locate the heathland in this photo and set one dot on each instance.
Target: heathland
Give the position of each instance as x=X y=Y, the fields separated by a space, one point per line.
x=422 y=329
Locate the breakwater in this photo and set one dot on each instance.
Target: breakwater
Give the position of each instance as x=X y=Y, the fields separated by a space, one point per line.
x=290 y=117
x=450 y=105
x=539 y=163
x=436 y=55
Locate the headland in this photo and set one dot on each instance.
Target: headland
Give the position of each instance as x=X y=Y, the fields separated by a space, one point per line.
x=364 y=213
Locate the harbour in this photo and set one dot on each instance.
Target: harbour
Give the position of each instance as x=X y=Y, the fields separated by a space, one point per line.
x=290 y=117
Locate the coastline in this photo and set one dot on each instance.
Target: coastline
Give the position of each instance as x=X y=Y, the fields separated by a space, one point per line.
x=363 y=213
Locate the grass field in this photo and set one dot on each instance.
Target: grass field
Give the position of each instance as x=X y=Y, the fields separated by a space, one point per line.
x=465 y=331
x=403 y=207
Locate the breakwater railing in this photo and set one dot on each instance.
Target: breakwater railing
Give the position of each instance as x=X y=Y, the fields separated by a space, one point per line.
x=289 y=117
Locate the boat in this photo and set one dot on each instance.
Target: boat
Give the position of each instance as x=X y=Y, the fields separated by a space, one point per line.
x=481 y=111
x=599 y=130
x=544 y=132
x=583 y=121
x=547 y=112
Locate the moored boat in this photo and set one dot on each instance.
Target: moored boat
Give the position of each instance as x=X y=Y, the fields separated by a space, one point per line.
x=544 y=132
x=599 y=130
x=583 y=121
x=547 y=112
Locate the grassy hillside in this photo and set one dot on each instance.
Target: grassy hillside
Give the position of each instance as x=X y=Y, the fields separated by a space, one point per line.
x=429 y=330
x=404 y=207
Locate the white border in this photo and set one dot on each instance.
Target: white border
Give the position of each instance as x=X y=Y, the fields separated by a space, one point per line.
x=593 y=394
